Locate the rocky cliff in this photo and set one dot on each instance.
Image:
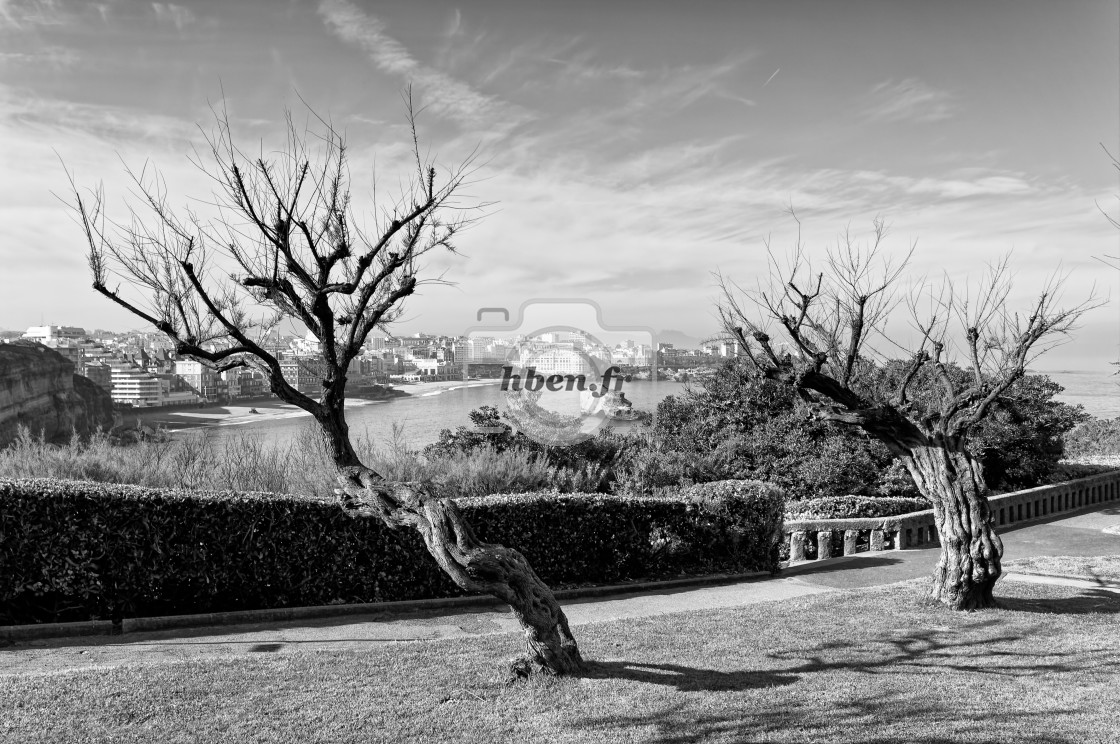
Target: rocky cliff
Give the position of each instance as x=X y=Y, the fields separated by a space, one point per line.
x=39 y=390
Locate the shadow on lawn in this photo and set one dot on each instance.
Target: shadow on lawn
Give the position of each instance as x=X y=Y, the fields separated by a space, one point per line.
x=943 y=663
x=685 y=679
x=858 y=722
x=1087 y=602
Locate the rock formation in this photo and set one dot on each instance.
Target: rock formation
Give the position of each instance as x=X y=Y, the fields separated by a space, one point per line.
x=39 y=390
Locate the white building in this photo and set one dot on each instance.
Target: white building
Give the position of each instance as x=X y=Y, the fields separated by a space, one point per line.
x=556 y=360
x=49 y=335
x=136 y=388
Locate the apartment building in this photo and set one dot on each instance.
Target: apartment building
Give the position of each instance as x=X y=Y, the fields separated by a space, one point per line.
x=134 y=387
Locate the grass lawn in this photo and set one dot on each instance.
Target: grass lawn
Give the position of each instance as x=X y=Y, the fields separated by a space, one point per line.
x=874 y=665
x=1101 y=567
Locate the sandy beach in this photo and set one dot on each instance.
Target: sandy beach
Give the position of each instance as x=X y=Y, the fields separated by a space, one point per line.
x=435 y=388
x=245 y=412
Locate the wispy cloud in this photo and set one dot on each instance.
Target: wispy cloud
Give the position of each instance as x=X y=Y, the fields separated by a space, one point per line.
x=23 y=14
x=116 y=124
x=54 y=57
x=443 y=94
x=176 y=15
x=908 y=100
x=950 y=187
x=583 y=67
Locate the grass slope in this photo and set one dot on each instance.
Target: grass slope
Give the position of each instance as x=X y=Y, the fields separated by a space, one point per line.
x=868 y=666
x=1104 y=568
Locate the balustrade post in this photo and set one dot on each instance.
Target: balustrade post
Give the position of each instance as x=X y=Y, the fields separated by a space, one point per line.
x=824 y=544
x=876 y=540
x=796 y=546
x=851 y=540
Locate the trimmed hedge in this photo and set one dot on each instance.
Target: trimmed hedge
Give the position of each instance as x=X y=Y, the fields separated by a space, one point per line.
x=78 y=551
x=855 y=507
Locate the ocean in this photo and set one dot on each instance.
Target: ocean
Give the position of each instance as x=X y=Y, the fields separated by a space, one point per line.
x=1097 y=390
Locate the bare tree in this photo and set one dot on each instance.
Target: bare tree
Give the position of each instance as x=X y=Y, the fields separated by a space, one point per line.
x=286 y=244
x=1112 y=262
x=921 y=410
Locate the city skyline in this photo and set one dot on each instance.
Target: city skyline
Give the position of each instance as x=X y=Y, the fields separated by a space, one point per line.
x=629 y=151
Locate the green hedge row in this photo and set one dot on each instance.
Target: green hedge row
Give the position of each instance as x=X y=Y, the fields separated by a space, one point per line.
x=854 y=507
x=78 y=551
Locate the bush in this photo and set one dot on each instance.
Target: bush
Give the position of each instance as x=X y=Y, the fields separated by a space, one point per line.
x=589 y=465
x=1094 y=437
x=854 y=507
x=736 y=426
x=79 y=551
x=740 y=517
x=488 y=470
x=1020 y=442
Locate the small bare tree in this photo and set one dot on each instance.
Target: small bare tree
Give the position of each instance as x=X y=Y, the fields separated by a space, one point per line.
x=921 y=410
x=286 y=244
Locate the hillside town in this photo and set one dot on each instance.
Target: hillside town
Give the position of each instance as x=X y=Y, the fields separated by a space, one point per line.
x=141 y=370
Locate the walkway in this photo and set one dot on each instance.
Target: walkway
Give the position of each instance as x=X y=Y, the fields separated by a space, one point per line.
x=1079 y=535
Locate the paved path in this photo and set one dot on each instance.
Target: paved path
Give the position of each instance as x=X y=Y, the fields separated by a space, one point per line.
x=1081 y=535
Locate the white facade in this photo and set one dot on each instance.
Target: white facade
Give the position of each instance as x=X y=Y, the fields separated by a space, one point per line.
x=136 y=388
x=49 y=335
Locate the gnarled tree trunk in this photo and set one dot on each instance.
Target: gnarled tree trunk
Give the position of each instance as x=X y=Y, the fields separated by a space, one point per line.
x=970 y=549
x=473 y=565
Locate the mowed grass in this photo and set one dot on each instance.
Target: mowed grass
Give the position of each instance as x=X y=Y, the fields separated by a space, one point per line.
x=875 y=665
x=1104 y=568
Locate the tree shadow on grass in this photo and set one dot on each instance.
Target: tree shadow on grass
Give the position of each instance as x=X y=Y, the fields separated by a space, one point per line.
x=1085 y=602
x=887 y=718
x=913 y=685
x=686 y=679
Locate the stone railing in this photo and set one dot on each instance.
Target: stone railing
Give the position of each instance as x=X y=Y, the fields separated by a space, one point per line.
x=816 y=539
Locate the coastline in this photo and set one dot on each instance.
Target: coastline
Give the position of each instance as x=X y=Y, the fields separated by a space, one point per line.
x=268 y=409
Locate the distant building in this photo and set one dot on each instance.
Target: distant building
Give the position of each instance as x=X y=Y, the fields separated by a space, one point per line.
x=100 y=374
x=49 y=335
x=305 y=374
x=557 y=360
x=203 y=381
x=136 y=388
x=306 y=346
x=245 y=383
x=436 y=370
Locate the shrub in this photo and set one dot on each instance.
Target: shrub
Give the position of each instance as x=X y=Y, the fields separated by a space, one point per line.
x=78 y=551
x=1020 y=442
x=734 y=425
x=854 y=507
x=1093 y=438
x=740 y=517
x=589 y=465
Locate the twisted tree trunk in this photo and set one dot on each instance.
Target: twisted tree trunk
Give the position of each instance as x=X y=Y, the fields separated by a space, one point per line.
x=473 y=565
x=970 y=549
x=947 y=475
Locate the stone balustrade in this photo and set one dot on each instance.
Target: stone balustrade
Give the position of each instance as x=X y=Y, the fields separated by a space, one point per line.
x=818 y=539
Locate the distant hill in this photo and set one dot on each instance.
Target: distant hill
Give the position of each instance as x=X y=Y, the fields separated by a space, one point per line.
x=678 y=339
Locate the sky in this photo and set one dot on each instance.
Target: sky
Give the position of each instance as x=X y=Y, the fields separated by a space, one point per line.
x=625 y=150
